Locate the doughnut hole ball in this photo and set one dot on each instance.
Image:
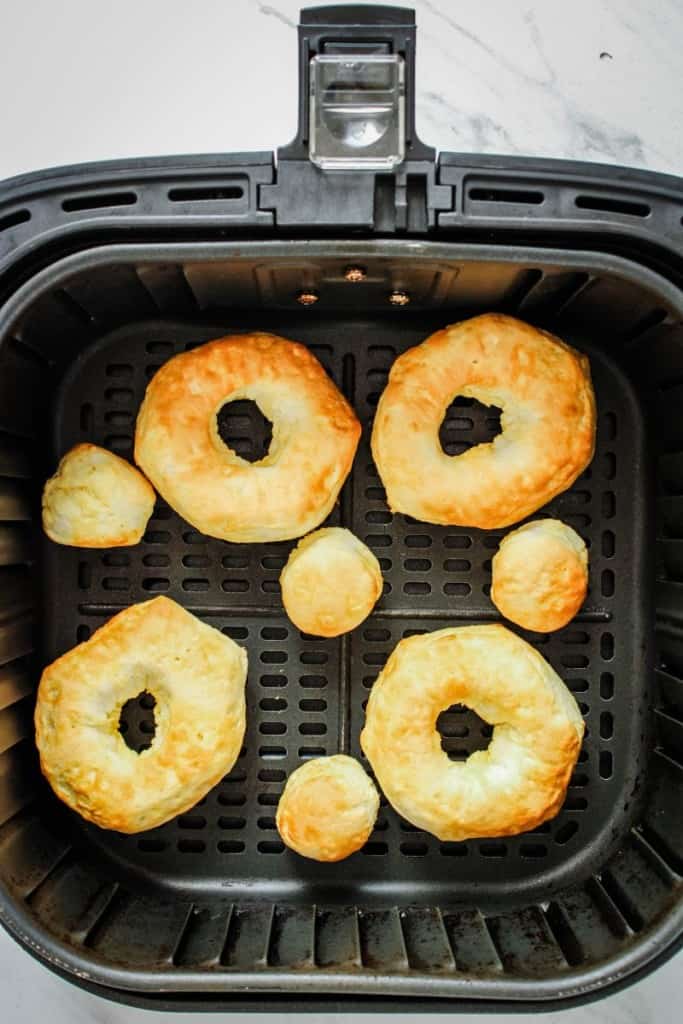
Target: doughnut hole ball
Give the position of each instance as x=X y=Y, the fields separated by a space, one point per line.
x=328 y=808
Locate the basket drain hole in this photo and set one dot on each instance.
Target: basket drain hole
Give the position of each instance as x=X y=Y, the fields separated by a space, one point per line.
x=467 y=423
x=462 y=732
x=137 y=723
x=243 y=428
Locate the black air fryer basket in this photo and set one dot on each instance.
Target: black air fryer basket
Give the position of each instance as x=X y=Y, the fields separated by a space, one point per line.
x=108 y=270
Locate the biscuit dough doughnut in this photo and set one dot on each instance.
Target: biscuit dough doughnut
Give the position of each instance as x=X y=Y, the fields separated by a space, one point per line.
x=544 y=390
x=330 y=583
x=197 y=676
x=520 y=780
x=540 y=575
x=96 y=500
x=285 y=494
x=328 y=808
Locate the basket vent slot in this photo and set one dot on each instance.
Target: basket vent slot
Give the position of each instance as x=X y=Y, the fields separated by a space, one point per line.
x=99 y=201
x=208 y=194
x=11 y=220
x=609 y=204
x=531 y=197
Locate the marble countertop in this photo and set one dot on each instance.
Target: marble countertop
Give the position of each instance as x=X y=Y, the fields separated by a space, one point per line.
x=589 y=80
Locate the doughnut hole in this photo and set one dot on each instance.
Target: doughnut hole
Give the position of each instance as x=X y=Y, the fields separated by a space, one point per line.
x=244 y=429
x=462 y=732
x=467 y=423
x=137 y=721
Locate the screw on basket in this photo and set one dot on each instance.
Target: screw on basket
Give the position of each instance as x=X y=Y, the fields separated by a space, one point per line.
x=307 y=297
x=355 y=274
x=399 y=297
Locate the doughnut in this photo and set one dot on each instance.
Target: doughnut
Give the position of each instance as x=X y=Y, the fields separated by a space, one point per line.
x=96 y=500
x=330 y=583
x=197 y=676
x=289 y=491
x=328 y=808
x=540 y=575
x=519 y=781
x=544 y=390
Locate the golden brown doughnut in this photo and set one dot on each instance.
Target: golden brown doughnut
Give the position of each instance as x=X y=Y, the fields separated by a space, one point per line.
x=330 y=583
x=197 y=676
x=328 y=808
x=96 y=500
x=514 y=785
x=540 y=575
x=285 y=494
x=548 y=423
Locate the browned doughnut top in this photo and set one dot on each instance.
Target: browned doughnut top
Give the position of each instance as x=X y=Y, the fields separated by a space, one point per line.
x=285 y=494
x=544 y=390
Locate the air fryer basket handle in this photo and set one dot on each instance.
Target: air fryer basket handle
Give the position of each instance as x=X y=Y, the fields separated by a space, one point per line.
x=361 y=60
x=356 y=30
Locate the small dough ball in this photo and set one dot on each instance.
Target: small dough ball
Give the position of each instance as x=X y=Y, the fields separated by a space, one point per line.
x=96 y=500
x=540 y=575
x=328 y=808
x=330 y=583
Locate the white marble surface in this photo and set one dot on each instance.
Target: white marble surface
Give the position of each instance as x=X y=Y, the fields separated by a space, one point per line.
x=587 y=79
x=93 y=80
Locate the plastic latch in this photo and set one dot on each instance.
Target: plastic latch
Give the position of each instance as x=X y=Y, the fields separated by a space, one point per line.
x=357 y=111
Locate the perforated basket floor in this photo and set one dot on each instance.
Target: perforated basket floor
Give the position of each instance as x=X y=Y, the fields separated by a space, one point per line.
x=306 y=696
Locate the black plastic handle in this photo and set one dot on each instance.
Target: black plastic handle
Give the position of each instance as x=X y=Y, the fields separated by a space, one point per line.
x=356 y=29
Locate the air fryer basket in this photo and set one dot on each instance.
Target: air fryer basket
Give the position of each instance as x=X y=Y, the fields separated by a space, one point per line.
x=106 y=274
